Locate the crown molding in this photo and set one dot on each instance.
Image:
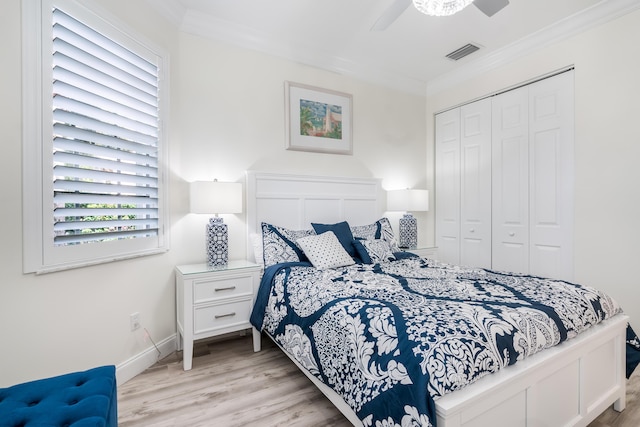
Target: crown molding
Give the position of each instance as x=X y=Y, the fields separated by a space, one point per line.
x=598 y=14
x=171 y=10
x=211 y=27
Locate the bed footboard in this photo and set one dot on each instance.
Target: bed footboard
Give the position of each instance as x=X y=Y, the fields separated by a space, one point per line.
x=569 y=385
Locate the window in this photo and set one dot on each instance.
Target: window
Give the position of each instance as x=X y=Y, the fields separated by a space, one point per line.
x=93 y=143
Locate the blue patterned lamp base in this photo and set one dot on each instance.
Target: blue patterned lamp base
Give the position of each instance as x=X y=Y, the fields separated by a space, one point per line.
x=408 y=231
x=217 y=242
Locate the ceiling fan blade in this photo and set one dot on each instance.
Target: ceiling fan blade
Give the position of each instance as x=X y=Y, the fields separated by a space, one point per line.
x=389 y=16
x=490 y=7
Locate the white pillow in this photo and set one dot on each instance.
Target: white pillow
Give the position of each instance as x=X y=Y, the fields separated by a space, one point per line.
x=325 y=251
x=256 y=242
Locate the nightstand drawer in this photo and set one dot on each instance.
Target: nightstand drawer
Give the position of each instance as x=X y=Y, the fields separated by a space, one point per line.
x=221 y=316
x=211 y=289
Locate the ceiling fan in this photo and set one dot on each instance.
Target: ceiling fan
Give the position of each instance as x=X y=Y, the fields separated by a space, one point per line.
x=388 y=17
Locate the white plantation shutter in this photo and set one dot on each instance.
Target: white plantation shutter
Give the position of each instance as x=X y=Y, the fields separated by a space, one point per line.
x=105 y=137
x=102 y=196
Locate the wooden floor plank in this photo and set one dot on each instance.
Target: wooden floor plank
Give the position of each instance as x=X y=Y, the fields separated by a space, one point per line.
x=232 y=386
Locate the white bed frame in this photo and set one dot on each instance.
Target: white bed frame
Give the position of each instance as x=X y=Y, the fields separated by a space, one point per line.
x=568 y=385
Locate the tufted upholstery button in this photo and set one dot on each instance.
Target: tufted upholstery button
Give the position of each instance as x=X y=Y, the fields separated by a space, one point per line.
x=79 y=398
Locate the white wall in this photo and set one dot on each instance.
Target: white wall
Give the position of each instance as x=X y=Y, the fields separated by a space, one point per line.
x=227 y=116
x=607 y=147
x=231 y=114
x=77 y=319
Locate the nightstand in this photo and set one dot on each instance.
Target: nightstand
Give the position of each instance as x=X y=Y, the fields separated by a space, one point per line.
x=426 y=252
x=212 y=301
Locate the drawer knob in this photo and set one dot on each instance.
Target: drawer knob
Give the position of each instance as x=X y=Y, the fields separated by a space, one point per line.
x=228 y=288
x=511 y=234
x=219 y=316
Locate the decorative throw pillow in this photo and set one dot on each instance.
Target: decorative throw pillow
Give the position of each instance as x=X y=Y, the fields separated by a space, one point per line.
x=374 y=251
x=278 y=244
x=325 y=251
x=342 y=232
x=381 y=229
x=363 y=255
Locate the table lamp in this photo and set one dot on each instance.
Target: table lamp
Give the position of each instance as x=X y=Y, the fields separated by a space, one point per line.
x=409 y=200
x=213 y=197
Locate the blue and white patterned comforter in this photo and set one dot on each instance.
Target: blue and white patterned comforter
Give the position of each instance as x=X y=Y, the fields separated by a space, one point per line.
x=391 y=338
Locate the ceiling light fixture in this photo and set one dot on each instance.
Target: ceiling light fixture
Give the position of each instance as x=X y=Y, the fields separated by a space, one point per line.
x=441 y=7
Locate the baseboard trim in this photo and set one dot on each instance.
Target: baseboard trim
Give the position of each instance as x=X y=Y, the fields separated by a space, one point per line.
x=138 y=363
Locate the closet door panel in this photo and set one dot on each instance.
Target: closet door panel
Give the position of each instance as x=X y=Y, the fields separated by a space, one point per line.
x=475 y=185
x=546 y=244
x=447 y=186
x=551 y=183
x=510 y=178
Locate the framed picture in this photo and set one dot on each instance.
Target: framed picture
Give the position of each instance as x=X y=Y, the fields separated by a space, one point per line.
x=317 y=120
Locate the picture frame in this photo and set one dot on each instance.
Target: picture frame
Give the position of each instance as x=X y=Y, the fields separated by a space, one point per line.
x=318 y=120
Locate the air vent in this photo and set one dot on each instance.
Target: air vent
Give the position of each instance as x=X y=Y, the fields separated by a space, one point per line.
x=465 y=50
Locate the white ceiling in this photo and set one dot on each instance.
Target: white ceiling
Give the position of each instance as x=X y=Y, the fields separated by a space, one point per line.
x=410 y=54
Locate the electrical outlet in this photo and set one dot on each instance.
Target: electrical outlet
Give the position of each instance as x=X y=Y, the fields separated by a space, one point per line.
x=134 y=321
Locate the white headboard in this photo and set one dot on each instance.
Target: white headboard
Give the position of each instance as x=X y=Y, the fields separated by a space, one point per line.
x=295 y=201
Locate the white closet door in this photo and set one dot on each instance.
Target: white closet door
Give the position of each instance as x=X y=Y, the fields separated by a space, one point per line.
x=475 y=184
x=551 y=177
x=510 y=181
x=448 y=186
x=504 y=181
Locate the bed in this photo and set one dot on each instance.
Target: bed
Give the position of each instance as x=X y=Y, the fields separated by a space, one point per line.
x=400 y=373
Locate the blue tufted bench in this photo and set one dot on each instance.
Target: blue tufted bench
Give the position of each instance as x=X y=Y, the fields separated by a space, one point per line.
x=79 y=399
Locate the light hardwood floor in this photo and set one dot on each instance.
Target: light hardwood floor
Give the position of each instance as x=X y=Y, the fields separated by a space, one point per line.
x=230 y=386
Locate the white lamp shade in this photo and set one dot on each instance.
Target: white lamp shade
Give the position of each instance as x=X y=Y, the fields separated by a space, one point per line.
x=213 y=197
x=408 y=200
